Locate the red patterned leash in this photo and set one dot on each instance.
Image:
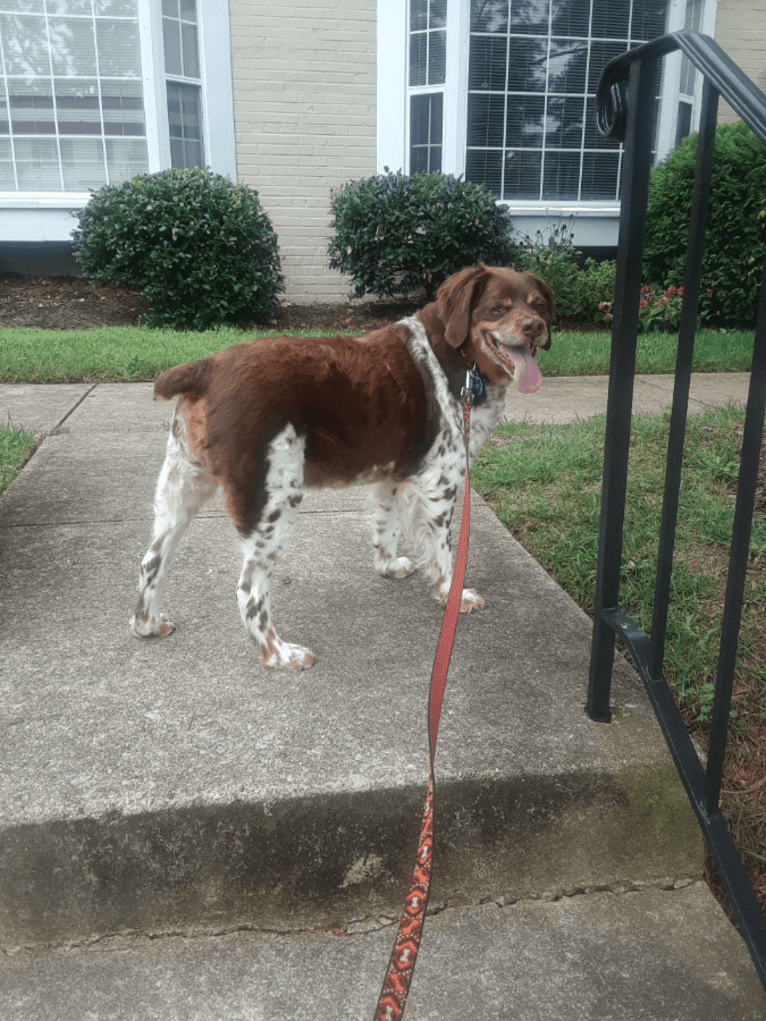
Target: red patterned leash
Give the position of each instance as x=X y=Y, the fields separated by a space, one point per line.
x=396 y=985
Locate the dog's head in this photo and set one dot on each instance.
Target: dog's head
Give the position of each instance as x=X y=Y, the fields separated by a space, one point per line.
x=500 y=318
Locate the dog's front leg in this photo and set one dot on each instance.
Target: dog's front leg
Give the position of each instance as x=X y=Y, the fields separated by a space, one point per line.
x=385 y=534
x=430 y=501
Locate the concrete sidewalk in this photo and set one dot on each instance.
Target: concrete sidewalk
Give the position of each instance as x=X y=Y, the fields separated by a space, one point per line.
x=184 y=834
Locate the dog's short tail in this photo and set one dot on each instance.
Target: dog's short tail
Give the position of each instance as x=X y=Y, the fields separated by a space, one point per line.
x=189 y=378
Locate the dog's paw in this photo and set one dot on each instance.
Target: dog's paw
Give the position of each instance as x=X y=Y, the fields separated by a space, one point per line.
x=471 y=601
x=283 y=656
x=393 y=567
x=146 y=627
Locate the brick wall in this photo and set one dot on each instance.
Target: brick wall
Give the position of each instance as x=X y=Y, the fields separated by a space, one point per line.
x=305 y=121
x=740 y=30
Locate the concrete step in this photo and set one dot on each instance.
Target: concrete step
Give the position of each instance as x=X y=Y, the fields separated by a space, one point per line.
x=647 y=955
x=179 y=787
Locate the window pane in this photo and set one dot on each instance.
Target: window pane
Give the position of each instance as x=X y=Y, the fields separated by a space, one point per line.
x=123 y=106
x=24 y=44
x=489 y=15
x=600 y=55
x=425 y=132
x=599 y=175
x=564 y=122
x=566 y=68
x=485 y=119
x=78 y=108
x=31 y=107
x=418 y=57
x=37 y=164
x=189 y=10
x=649 y=20
x=484 y=167
x=115 y=8
x=7 y=177
x=73 y=48
x=437 y=59
x=570 y=19
x=438 y=14
x=525 y=121
x=487 y=63
x=530 y=16
x=185 y=123
x=611 y=19
x=125 y=157
x=522 y=175
x=561 y=177
x=24 y=6
x=171 y=38
x=684 y=125
x=118 y=49
x=64 y=7
x=82 y=161
x=528 y=65
x=191 y=63
x=418 y=15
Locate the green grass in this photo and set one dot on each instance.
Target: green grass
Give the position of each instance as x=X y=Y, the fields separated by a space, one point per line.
x=132 y=353
x=587 y=354
x=16 y=445
x=544 y=484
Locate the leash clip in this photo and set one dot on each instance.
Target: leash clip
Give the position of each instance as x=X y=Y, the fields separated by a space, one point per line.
x=474 y=387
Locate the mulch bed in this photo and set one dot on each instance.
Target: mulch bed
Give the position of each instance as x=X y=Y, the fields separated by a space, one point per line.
x=71 y=303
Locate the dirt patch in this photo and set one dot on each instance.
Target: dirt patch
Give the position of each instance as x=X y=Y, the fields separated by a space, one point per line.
x=70 y=303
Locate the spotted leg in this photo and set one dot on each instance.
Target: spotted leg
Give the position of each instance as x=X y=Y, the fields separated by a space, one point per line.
x=429 y=503
x=183 y=486
x=263 y=545
x=385 y=535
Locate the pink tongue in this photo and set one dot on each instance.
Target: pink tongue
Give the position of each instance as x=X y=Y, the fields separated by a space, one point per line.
x=529 y=379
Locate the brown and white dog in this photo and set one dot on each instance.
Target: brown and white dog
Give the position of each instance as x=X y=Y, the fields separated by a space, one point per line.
x=270 y=416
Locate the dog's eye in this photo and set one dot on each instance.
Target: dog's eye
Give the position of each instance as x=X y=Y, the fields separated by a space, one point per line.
x=497 y=310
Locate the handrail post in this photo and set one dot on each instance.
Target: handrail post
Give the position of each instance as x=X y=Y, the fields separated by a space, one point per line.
x=681 y=386
x=637 y=162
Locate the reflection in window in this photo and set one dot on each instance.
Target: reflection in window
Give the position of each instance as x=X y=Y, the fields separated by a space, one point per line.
x=533 y=70
x=71 y=94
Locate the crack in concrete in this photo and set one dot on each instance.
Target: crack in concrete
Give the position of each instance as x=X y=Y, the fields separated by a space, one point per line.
x=354 y=927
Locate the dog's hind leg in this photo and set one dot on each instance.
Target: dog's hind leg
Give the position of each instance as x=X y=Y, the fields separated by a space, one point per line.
x=385 y=534
x=183 y=486
x=283 y=492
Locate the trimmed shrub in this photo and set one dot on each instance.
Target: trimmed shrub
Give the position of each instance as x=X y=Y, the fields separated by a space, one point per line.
x=735 y=244
x=395 y=234
x=579 y=291
x=201 y=248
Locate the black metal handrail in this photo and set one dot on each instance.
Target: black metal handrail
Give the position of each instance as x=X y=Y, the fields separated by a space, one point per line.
x=625 y=99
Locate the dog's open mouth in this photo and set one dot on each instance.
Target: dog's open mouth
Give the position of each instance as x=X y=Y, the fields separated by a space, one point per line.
x=518 y=362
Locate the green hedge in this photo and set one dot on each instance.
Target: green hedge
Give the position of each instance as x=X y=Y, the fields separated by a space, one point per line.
x=201 y=247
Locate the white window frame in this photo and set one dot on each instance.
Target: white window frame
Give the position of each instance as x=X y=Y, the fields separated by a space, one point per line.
x=47 y=216
x=671 y=78
x=596 y=221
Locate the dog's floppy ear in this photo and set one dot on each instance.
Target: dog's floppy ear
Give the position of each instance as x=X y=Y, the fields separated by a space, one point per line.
x=550 y=302
x=455 y=299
